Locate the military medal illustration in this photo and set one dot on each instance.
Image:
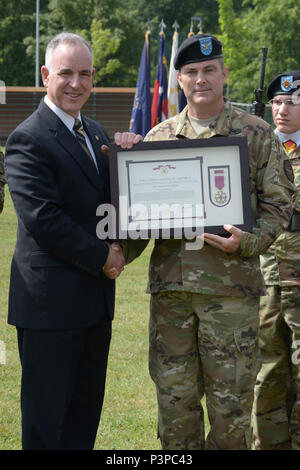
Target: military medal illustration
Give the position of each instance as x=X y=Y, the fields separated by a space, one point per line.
x=219 y=185
x=164 y=169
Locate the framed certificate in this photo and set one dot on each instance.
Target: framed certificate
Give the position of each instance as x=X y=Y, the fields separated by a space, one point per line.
x=180 y=188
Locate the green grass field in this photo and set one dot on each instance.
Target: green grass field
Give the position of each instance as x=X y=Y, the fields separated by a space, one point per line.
x=129 y=413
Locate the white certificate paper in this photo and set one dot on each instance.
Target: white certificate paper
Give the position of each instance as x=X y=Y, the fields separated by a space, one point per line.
x=200 y=184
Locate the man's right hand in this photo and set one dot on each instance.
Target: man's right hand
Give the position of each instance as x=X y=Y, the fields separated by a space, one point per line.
x=115 y=261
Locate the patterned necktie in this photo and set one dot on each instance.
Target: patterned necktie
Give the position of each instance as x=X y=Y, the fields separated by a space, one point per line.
x=79 y=133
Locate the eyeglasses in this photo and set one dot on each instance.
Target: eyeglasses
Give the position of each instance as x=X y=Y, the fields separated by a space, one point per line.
x=276 y=103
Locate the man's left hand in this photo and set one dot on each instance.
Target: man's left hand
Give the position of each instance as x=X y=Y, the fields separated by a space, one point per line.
x=228 y=245
x=126 y=140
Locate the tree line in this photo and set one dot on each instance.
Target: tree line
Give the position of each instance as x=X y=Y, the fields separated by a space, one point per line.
x=117 y=29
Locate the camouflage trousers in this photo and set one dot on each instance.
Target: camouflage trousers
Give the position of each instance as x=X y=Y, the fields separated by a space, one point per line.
x=202 y=345
x=276 y=420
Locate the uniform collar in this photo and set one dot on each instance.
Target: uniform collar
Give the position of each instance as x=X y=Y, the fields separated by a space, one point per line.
x=221 y=126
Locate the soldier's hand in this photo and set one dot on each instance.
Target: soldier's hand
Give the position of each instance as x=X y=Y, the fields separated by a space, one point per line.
x=126 y=140
x=228 y=245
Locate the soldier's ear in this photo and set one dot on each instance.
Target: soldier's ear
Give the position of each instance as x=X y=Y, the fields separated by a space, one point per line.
x=225 y=73
x=179 y=78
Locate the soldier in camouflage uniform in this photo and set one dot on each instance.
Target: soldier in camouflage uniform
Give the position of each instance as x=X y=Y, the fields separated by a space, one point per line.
x=277 y=390
x=2 y=181
x=204 y=304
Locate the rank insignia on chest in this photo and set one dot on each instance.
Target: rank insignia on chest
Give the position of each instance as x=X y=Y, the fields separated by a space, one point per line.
x=289 y=145
x=219 y=185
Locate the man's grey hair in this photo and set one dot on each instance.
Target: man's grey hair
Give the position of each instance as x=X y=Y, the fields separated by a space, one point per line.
x=64 y=38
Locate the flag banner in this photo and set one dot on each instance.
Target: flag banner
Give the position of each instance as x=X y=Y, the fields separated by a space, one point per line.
x=173 y=99
x=159 y=108
x=183 y=102
x=140 y=122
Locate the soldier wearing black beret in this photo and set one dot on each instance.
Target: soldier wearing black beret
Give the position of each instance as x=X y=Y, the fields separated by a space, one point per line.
x=287 y=83
x=204 y=302
x=277 y=391
x=198 y=49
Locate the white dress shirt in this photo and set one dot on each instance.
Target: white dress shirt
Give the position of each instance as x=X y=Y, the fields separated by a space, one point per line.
x=69 y=121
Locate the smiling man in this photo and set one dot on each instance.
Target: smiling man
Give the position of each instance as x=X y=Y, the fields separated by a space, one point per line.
x=277 y=391
x=62 y=275
x=204 y=304
x=68 y=76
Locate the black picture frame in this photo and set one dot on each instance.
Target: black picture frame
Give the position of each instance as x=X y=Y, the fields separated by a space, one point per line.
x=223 y=161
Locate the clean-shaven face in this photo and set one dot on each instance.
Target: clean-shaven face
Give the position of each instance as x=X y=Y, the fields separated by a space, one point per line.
x=202 y=83
x=286 y=117
x=70 y=78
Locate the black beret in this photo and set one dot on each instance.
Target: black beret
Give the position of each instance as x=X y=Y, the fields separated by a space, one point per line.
x=284 y=84
x=197 y=49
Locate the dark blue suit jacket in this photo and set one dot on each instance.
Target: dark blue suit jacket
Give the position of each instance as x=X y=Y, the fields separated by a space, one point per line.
x=56 y=275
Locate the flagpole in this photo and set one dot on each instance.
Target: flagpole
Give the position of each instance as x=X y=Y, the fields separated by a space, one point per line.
x=159 y=107
x=173 y=99
x=37 y=45
x=162 y=26
x=195 y=18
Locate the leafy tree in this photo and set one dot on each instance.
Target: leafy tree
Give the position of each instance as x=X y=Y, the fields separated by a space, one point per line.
x=115 y=33
x=61 y=15
x=17 y=20
x=271 y=23
x=105 y=45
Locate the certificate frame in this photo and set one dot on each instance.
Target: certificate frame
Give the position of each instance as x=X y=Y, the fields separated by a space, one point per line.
x=212 y=173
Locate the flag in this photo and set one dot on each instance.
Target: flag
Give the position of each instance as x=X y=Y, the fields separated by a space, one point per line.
x=173 y=100
x=140 y=122
x=182 y=101
x=159 y=108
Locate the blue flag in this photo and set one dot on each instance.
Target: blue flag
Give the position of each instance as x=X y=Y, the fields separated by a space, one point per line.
x=182 y=103
x=140 y=122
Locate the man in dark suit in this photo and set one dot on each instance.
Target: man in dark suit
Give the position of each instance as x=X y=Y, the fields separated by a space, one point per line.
x=62 y=276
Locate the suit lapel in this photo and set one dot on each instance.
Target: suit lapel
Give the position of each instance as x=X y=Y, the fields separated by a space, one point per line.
x=66 y=139
x=96 y=141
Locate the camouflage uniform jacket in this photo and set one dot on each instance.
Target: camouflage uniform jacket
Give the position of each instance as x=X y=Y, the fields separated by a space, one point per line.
x=281 y=263
x=2 y=181
x=210 y=271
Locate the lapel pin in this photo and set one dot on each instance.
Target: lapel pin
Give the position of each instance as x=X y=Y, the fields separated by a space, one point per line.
x=96 y=137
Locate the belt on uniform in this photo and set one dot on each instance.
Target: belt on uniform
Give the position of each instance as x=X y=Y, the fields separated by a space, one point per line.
x=294 y=224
